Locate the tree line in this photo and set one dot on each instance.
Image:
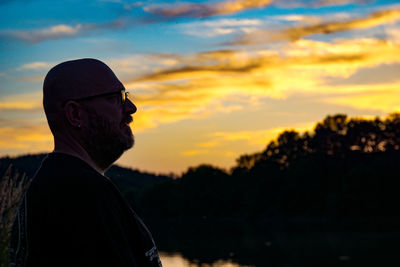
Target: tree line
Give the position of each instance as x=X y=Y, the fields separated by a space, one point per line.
x=345 y=167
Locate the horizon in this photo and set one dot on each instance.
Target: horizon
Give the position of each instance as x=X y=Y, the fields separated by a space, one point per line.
x=391 y=117
x=212 y=80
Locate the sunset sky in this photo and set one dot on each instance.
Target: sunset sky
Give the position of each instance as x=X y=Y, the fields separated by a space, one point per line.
x=212 y=79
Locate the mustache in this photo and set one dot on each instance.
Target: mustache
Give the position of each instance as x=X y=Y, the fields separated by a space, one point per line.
x=127 y=120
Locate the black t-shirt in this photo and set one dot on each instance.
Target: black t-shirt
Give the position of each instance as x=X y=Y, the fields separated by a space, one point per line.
x=73 y=216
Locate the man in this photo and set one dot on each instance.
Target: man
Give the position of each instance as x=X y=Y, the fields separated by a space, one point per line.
x=72 y=215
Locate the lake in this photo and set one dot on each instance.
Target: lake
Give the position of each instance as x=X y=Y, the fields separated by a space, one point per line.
x=230 y=243
x=177 y=260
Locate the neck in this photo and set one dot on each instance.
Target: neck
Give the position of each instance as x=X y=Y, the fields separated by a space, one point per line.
x=78 y=151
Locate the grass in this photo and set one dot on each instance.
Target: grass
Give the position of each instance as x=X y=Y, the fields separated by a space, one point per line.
x=12 y=189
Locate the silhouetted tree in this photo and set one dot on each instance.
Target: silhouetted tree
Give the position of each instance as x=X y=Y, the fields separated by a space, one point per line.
x=344 y=167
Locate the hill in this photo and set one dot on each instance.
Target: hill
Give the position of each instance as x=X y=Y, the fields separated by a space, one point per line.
x=130 y=182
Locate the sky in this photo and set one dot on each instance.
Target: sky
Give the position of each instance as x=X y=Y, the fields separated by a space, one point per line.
x=212 y=80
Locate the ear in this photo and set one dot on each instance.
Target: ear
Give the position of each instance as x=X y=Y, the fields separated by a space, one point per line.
x=73 y=112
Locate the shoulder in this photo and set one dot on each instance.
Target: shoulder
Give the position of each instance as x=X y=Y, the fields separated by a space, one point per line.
x=64 y=177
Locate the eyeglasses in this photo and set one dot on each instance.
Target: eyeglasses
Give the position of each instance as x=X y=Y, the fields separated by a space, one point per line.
x=123 y=93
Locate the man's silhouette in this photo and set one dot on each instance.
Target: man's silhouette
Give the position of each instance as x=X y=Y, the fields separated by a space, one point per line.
x=72 y=215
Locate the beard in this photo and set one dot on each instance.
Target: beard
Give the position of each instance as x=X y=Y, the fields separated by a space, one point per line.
x=106 y=140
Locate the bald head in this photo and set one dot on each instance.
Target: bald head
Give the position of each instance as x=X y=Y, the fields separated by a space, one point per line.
x=77 y=79
x=88 y=111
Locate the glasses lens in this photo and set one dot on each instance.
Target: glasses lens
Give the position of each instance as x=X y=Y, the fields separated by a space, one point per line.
x=123 y=96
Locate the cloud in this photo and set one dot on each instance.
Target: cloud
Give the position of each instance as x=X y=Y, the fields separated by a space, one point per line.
x=381 y=74
x=203 y=84
x=317 y=3
x=140 y=64
x=19 y=105
x=194 y=10
x=221 y=142
x=39 y=35
x=227 y=154
x=258 y=137
x=170 y=11
x=296 y=18
x=130 y=6
x=60 y=31
x=36 y=66
x=22 y=102
x=25 y=139
x=344 y=55
x=297 y=32
x=375 y=19
x=393 y=33
x=204 y=10
x=194 y=152
x=378 y=97
x=196 y=86
x=220 y=27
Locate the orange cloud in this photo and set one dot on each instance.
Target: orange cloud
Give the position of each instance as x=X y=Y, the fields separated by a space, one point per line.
x=340 y=58
x=194 y=152
x=205 y=10
x=29 y=101
x=316 y=3
x=222 y=145
x=199 y=85
x=229 y=7
x=25 y=139
x=379 y=98
x=212 y=28
x=375 y=19
x=24 y=134
x=297 y=32
x=257 y=137
x=223 y=81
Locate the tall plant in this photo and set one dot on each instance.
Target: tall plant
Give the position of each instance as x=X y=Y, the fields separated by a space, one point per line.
x=12 y=189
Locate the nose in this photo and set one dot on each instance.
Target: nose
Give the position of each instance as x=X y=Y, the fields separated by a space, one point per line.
x=129 y=107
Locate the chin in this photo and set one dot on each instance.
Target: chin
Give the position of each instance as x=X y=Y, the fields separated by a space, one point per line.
x=129 y=139
x=130 y=142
